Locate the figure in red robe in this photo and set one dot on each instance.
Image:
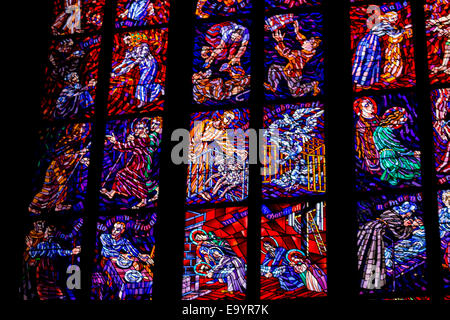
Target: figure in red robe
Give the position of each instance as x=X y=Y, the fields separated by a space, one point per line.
x=366 y=109
x=134 y=179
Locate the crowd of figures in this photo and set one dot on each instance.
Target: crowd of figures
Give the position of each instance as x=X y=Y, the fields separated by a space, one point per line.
x=391 y=236
x=130 y=168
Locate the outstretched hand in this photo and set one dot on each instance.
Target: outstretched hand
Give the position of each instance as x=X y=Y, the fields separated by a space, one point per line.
x=76 y=250
x=278 y=36
x=111 y=138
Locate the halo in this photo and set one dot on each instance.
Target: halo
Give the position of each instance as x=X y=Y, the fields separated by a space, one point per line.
x=145 y=120
x=357 y=105
x=197 y=268
x=271 y=240
x=71 y=127
x=293 y=252
x=211 y=250
x=194 y=233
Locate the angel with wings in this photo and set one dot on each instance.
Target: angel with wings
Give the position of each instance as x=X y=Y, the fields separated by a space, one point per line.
x=290 y=134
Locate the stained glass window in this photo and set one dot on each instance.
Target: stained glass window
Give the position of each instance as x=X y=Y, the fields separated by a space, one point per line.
x=391 y=244
x=221 y=72
x=293 y=246
x=131 y=163
x=124 y=253
x=386 y=142
x=382 y=47
x=215 y=254
x=137 y=13
x=295 y=150
x=210 y=8
x=61 y=175
x=293 y=53
x=52 y=252
x=71 y=78
x=76 y=16
x=138 y=72
x=437 y=15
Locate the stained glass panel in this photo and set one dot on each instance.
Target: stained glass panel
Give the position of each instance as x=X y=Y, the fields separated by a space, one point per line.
x=391 y=245
x=294 y=60
x=293 y=246
x=221 y=68
x=440 y=108
x=444 y=229
x=382 y=46
x=76 y=16
x=71 y=78
x=60 y=181
x=218 y=166
x=130 y=176
x=294 y=158
x=386 y=142
x=138 y=72
x=124 y=253
x=215 y=254
x=289 y=4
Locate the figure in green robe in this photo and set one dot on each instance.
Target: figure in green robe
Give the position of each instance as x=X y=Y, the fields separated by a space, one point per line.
x=397 y=161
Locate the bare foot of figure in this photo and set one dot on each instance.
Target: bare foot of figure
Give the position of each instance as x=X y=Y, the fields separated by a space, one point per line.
x=141 y=204
x=109 y=194
x=440 y=69
x=205 y=196
x=141 y=104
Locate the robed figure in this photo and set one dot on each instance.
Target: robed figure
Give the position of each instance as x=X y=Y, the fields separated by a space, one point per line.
x=231 y=269
x=275 y=264
x=135 y=179
x=372 y=243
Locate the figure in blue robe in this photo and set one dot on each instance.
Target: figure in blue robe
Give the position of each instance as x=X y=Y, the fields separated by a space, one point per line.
x=276 y=265
x=368 y=56
x=73 y=98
